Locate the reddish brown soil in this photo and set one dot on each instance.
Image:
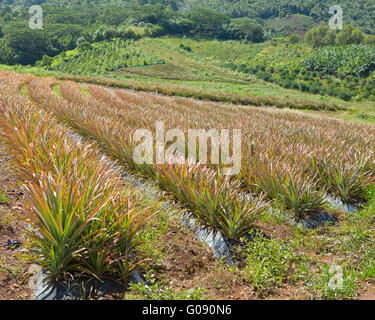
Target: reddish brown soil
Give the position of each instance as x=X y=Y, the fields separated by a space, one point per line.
x=12 y=270
x=368 y=293
x=190 y=264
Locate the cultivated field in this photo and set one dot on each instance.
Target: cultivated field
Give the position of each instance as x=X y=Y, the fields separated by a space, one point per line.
x=72 y=144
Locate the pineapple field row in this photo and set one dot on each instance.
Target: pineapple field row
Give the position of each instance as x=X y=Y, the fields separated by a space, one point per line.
x=71 y=144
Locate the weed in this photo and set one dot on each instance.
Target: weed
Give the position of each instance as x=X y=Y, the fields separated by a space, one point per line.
x=335 y=282
x=161 y=290
x=268 y=264
x=4 y=197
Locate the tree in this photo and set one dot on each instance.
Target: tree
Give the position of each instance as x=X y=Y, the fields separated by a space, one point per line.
x=208 y=22
x=132 y=32
x=323 y=36
x=330 y=38
x=179 y=25
x=85 y=45
x=369 y=39
x=245 y=29
x=315 y=36
x=46 y=61
x=349 y=35
x=109 y=33
x=28 y=45
x=294 y=38
x=80 y=40
x=7 y=55
x=154 y=30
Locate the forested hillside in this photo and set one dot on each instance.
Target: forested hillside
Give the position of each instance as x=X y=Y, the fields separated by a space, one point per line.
x=360 y=13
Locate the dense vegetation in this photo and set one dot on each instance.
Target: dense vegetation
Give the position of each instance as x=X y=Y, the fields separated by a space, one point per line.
x=358 y=60
x=66 y=22
x=359 y=13
x=324 y=36
x=64 y=28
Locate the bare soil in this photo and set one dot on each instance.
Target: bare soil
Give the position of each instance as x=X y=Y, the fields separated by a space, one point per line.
x=13 y=271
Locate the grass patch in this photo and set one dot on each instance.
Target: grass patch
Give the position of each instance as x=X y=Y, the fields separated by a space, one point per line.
x=161 y=290
x=4 y=197
x=268 y=264
x=56 y=90
x=24 y=90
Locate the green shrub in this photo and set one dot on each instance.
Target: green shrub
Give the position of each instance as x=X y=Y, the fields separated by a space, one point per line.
x=264 y=75
x=268 y=264
x=186 y=48
x=344 y=95
x=294 y=38
x=358 y=60
x=295 y=85
x=303 y=87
